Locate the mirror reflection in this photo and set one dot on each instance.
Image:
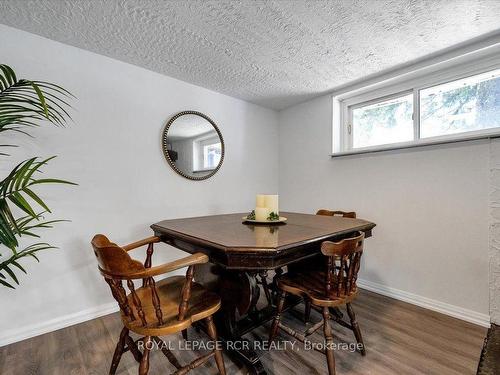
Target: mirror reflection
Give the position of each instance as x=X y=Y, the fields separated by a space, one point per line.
x=193 y=145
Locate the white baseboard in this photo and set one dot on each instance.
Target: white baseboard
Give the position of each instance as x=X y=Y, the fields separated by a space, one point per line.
x=14 y=335
x=431 y=304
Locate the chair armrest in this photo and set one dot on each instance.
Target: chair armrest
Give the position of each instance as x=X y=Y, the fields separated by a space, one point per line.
x=146 y=241
x=198 y=258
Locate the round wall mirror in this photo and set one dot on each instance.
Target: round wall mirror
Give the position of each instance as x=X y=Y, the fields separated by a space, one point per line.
x=193 y=145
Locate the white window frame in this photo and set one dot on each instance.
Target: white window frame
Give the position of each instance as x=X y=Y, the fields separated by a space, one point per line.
x=348 y=133
x=198 y=144
x=217 y=142
x=344 y=103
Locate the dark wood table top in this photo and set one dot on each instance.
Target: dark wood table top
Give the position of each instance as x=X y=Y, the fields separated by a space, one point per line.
x=228 y=241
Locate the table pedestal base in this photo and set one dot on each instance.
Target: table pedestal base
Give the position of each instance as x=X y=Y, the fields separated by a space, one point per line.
x=239 y=315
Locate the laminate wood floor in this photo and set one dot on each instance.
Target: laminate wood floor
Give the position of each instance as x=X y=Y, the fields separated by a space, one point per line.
x=400 y=339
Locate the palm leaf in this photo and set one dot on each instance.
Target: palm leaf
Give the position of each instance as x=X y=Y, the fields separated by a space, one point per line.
x=29 y=251
x=19 y=266
x=6 y=268
x=5 y=283
x=16 y=188
x=25 y=104
x=27 y=224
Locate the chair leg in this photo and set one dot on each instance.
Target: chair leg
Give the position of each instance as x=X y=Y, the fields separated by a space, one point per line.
x=185 y=334
x=330 y=359
x=212 y=332
x=274 y=328
x=307 y=312
x=132 y=346
x=335 y=313
x=144 y=365
x=120 y=347
x=355 y=328
x=170 y=356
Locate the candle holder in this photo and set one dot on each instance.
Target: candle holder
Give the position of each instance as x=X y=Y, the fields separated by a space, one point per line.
x=266 y=211
x=272 y=218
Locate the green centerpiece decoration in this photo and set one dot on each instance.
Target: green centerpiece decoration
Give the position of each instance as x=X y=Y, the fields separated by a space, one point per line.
x=273 y=216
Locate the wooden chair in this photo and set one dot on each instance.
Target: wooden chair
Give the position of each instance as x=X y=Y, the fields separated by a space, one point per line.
x=157 y=308
x=335 y=311
x=333 y=286
x=350 y=214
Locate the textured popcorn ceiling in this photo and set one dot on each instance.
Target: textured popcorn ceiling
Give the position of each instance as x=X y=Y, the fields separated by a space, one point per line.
x=274 y=53
x=188 y=126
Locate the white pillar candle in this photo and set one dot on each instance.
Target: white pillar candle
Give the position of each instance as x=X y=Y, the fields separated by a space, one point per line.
x=271 y=202
x=261 y=213
x=261 y=198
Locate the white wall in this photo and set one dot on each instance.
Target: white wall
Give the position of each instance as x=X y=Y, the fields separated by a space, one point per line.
x=113 y=151
x=430 y=206
x=495 y=231
x=184 y=149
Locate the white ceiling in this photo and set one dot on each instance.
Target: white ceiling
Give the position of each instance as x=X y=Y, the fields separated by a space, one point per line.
x=189 y=126
x=273 y=53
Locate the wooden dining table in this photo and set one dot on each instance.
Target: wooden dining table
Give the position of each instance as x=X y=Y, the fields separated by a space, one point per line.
x=243 y=255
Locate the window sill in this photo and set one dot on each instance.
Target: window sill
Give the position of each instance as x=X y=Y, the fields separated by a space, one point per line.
x=420 y=143
x=203 y=170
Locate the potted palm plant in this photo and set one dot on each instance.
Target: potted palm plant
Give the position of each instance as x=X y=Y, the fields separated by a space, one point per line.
x=25 y=104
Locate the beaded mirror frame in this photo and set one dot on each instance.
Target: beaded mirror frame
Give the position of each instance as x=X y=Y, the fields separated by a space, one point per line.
x=172 y=163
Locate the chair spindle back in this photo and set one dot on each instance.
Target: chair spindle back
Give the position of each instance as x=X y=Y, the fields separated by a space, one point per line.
x=116 y=266
x=350 y=214
x=344 y=259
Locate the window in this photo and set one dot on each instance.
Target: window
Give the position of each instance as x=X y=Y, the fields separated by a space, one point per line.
x=461 y=106
x=422 y=111
x=386 y=121
x=207 y=152
x=211 y=155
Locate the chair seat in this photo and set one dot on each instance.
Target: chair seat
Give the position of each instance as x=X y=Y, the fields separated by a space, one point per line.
x=202 y=304
x=311 y=285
